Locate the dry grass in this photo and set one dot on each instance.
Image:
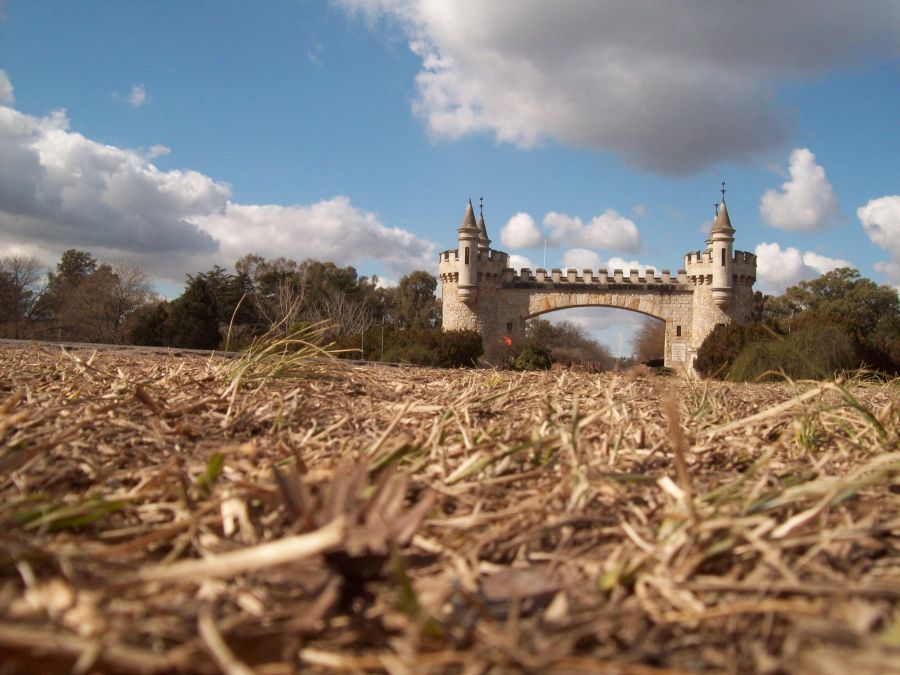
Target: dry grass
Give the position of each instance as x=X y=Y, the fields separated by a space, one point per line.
x=159 y=516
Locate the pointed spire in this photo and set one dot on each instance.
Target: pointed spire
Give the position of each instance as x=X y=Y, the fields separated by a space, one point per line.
x=484 y=242
x=722 y=222
x=468 y=223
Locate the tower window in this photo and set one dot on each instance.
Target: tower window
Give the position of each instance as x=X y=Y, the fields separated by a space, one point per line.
x=723 y=257
x=677 y=331
x=467 y=255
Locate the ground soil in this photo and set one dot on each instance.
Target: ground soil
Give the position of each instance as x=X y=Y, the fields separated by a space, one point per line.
x=157 y=514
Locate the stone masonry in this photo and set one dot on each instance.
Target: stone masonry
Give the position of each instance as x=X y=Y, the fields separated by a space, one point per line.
x=482 y=293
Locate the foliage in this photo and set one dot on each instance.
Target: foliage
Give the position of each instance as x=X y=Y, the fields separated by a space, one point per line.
x=811 y=353
x=150 y=325
x=21 y=288
x=414 y=303
x=723 y=345
x=90 y=301
x=567 y=343
x=459 y=349
x=433 y=347
x=194 y=319
x=869 y=313
x=837 y=321
x=649 y=342
x=533 y=357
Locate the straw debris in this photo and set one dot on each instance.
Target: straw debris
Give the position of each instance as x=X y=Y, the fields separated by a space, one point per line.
x=161 y=514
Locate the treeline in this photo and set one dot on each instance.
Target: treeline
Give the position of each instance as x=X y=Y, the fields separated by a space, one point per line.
x=81 y=300
x=836 y=323
x=84 y=300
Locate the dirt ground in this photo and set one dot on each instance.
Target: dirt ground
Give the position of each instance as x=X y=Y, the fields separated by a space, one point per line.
x=172 y=513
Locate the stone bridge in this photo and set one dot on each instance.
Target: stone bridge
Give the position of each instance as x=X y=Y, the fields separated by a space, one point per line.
x=481 y=292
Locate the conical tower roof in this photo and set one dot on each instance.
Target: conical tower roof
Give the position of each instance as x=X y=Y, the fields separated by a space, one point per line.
x=723 y=222
x=468 y=225
x=483 y=240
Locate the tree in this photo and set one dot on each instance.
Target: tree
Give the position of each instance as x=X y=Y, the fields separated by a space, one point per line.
x=840 y=296
x=568 y=343
x=74 y=266
x=95 y=308
x=21 y=288
x=868 y=312
x=71 y=271
x=194 y=319
x=416 y=306
x=345 y=314
x=649 y=342
x=150 y=325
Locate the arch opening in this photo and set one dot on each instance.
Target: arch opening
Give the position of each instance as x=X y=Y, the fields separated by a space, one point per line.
x=615 y=328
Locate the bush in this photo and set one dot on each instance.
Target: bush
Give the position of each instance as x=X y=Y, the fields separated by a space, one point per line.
x=433 y=347
x=459 y=348
x=533 y=357
x=807 y=354
x=722 y=346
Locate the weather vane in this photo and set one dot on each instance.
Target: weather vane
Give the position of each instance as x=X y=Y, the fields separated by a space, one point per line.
x=723 y=191
x=481 y=206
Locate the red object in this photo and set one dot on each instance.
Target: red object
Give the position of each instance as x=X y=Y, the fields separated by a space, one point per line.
x=507 y=340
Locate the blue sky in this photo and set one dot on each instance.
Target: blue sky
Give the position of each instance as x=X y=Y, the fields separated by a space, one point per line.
x=181 y=135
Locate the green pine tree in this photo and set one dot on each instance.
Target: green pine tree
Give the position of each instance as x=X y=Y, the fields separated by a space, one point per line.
x=194 y=321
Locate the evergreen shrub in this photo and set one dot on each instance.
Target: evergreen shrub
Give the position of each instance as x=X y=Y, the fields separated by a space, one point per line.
x=533 y=357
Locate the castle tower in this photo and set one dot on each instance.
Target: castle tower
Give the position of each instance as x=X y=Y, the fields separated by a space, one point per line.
x=721 y=243
x=722 y=281
x=484 y=244
x=468 y=257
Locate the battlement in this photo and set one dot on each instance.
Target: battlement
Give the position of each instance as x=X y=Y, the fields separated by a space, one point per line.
x=699 y=265
x=492 y=255
x=491 y=264
x=587 y=277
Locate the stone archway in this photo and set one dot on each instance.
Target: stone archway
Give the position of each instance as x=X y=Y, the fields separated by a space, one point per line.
x=481 y=292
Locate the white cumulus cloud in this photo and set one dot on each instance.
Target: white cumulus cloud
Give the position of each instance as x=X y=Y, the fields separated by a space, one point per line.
x=59 y=190
x=517 y=262
x=671 y=87
x=581 y=259
x=58 y=186
x=806 y=202
x=521 y=232
x=609 y=231
x=880 y=219
x=332 y=229
x=778 y=268
x=626 y=266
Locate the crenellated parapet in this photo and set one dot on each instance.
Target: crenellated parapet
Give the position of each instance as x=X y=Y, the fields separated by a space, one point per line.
x=699 y=267
x=481 y=292
x=492 y=264
x=600 y=278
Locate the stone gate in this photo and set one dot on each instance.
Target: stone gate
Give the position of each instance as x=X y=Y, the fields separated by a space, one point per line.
x=482 y=293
